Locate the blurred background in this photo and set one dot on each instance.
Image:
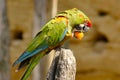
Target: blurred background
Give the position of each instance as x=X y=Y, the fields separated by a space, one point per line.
x=97 y=55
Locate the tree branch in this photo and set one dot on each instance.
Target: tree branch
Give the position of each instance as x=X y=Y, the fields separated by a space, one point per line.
x=63 y=66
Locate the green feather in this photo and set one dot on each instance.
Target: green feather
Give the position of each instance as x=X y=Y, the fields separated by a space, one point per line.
x=34 y=61
x=52 y=35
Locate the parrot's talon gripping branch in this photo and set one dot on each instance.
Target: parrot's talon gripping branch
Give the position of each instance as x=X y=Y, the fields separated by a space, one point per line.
x=70 y=23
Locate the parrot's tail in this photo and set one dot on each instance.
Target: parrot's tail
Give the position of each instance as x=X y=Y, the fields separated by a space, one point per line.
x=24 y=63
x=33 y=62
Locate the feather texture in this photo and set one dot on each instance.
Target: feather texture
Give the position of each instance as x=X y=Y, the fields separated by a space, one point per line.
x=51 y=36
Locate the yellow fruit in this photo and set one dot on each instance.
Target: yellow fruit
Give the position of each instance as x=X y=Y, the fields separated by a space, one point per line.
x=79 y=35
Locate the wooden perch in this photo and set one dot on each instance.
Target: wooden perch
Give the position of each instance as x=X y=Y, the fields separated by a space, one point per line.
x=63 y=66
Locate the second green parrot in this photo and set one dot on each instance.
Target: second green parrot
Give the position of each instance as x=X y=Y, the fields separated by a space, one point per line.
x=67 y=24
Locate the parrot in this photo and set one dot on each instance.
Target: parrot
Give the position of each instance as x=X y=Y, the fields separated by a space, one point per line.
x=71 y=23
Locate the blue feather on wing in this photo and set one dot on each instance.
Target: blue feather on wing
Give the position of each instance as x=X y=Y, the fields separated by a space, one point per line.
x=27 y=54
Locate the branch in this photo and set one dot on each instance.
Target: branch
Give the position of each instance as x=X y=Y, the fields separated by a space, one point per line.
x=63 y=66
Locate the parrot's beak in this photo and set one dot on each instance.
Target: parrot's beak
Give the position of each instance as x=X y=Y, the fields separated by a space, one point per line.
x=78 y=35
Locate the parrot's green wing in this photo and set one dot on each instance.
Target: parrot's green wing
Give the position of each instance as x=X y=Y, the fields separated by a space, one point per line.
x=54 y=35
x=38 y=44
x=34 y=61
x=50 y=35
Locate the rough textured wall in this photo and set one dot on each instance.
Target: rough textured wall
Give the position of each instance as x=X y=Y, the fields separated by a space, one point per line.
x=98 y=54
x=20 y=17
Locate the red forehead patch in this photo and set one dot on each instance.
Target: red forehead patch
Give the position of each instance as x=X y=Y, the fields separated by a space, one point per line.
x=89 y=24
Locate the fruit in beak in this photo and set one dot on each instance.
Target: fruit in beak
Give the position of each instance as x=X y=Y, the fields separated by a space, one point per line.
x=78 y=35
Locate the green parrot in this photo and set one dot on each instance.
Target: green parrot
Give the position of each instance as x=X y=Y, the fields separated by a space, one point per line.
x=67 y=24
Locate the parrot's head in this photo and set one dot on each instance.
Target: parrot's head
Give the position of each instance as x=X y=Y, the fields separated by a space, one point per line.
x=79 y=23
x=81 y=26
x=80 y=29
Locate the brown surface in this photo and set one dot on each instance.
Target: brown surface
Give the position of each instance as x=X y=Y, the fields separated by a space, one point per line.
x=98 y=54
x=20 y=16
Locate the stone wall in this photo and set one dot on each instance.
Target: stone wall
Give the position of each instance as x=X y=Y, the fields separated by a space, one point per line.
x=20 y=17
x=98 y=54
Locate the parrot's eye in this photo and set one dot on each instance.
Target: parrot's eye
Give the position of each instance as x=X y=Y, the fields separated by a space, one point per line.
x=85 y=28
x=79 y=27
x=82 y=28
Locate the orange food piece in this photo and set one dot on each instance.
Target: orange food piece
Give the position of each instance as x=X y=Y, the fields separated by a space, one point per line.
x=79 y=35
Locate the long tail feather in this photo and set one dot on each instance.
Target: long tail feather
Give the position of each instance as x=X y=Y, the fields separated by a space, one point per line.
x=24 y=63
x=34 y=61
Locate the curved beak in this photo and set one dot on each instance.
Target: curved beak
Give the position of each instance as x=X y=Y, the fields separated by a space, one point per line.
x=78 y=35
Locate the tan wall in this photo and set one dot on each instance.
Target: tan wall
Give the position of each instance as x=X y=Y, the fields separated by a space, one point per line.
x=20 y=16
x=98 y=54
